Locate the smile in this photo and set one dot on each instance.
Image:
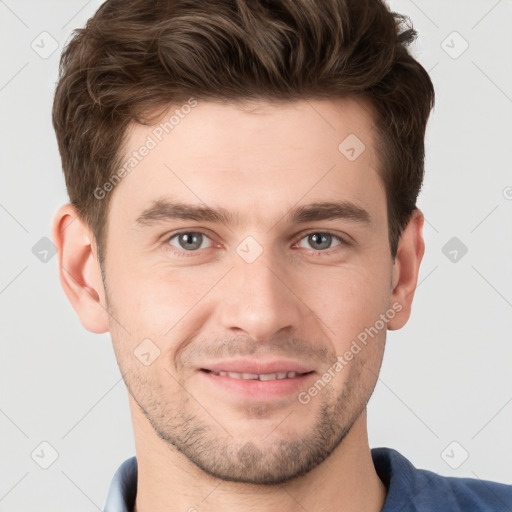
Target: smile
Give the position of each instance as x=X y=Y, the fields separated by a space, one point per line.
x=256 y=376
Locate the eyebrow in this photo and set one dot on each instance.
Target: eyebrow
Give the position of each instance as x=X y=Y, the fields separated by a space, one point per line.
x=163 y=210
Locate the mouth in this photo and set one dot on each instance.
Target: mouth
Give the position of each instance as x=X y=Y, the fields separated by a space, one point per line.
x=256 y=383
x=257 y=376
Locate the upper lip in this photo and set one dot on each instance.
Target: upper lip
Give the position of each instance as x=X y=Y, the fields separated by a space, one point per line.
x=257 y=367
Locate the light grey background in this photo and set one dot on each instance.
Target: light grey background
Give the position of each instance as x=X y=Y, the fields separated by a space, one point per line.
x=446 y=376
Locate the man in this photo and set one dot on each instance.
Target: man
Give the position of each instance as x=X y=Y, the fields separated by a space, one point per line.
x=243 y=180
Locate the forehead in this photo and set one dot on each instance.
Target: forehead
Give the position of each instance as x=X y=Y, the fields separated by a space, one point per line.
x=256 y=157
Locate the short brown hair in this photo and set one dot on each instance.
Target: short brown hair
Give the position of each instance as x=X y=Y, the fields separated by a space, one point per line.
x=135 y=57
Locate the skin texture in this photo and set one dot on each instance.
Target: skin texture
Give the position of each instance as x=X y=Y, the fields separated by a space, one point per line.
x=198 y=443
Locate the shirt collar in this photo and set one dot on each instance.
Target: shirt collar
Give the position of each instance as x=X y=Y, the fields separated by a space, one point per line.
x=123 y=488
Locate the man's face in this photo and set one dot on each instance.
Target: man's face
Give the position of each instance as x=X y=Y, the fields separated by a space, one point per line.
x=268 y=293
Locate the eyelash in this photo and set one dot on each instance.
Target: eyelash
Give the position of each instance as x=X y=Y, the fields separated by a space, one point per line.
x=189 y=254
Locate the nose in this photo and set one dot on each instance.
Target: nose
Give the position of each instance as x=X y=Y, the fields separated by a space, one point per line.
x=258 y=299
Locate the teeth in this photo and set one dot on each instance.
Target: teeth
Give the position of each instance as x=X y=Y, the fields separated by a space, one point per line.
x=256 y=376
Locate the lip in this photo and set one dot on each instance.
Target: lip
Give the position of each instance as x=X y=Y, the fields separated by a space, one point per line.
x=259 y=367
x=253 y=388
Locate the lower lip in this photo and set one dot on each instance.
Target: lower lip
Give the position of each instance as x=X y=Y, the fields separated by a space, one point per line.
x=259 y=389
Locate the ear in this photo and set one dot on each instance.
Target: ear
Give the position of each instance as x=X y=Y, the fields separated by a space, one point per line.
x=79 y=269
x=411 y=248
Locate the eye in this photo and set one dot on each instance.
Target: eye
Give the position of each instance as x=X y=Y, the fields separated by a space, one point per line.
x=189 y=240
x=320 y=241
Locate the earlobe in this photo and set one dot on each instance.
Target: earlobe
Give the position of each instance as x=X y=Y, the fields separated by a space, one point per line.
x=79 y=269
x=406 y=269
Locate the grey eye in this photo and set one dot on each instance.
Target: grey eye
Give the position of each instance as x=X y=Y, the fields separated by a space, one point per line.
x=189 y=241
x=320 y=241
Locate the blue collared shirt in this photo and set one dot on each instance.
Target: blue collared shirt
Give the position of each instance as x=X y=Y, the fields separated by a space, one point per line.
x=408 y=489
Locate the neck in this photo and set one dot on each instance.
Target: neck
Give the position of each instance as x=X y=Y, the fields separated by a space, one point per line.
x=168 y=481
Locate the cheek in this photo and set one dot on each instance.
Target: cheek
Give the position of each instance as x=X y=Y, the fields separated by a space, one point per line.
x=160 y=301
x=347 y=298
